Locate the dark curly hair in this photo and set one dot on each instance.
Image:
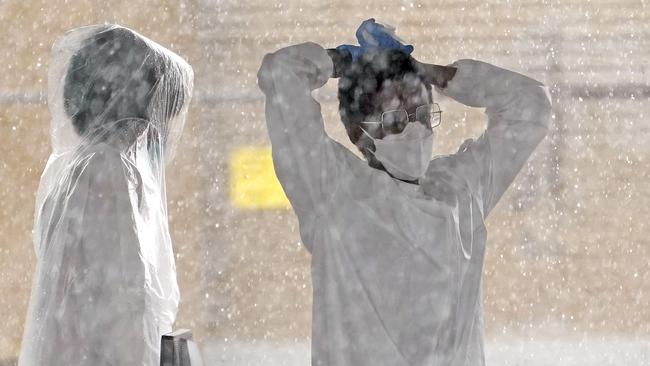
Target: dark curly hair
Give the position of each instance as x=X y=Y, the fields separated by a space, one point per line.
x=360 y=82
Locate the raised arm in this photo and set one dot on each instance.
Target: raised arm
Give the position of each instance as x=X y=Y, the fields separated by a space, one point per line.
x=518 y=110
x=304 y=155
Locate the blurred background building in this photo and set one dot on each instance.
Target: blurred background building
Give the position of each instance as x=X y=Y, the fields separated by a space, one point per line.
x=567 y=264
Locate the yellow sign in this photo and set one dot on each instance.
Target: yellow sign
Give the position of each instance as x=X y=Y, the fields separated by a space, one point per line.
x=253 y=184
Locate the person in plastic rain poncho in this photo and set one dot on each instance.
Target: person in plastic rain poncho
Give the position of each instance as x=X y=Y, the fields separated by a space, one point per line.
x=397 y=241
x=105 y=285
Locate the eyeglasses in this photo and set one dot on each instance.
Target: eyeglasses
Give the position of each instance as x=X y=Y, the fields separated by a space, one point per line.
x=395 y=121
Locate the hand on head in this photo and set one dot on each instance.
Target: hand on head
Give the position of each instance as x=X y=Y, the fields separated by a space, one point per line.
x=373 y=36
x=380 y=78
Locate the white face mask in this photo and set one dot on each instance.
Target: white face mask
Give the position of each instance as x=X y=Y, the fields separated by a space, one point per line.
x=406 y=155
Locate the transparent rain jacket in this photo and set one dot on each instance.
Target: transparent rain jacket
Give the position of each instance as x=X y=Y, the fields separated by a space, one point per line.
x=396 y=267
x=105 y=287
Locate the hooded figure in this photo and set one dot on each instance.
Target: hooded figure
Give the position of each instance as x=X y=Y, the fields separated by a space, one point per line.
x=105 y=287
x=396 y=249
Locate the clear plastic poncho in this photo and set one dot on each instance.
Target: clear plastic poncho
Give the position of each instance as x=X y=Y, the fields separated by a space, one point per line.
x=105 y=287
